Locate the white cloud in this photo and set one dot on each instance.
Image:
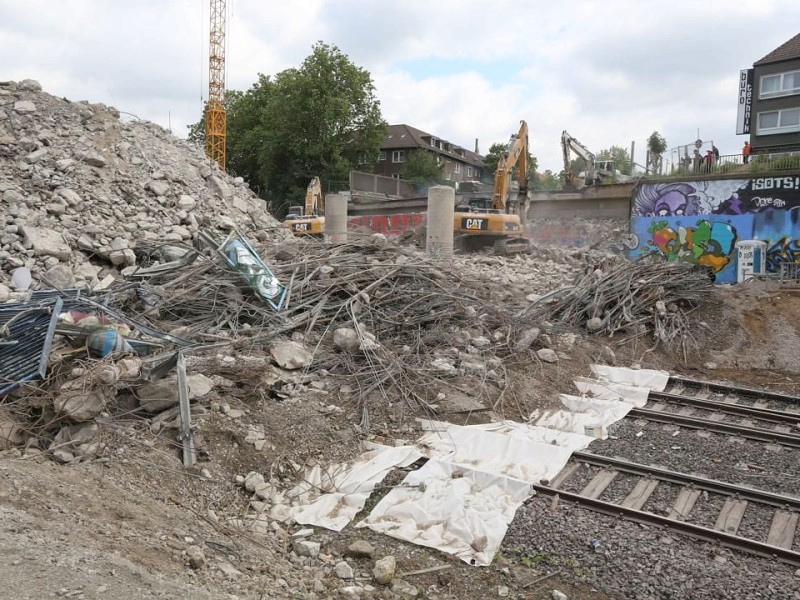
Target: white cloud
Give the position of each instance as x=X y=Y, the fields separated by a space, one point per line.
x=608 y=72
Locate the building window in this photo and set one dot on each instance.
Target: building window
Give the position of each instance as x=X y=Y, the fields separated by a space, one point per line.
x=382 y=155
x=433 y=142
x=458 y=167
x=778 y=121
x=780 y=84
x=447 y=176
x=398 y=156
x=362 y=159
x=397 y=175
x=469 y=171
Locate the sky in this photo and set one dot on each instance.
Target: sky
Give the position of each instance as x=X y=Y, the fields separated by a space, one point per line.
x=609 y=72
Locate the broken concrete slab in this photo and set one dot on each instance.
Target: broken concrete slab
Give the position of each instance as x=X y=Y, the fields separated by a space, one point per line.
x=46 y=242
x=290 y=355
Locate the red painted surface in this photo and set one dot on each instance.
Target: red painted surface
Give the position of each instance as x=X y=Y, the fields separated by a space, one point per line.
x=388 y=225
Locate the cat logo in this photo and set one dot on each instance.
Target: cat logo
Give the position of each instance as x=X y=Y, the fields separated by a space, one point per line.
x=475 y=224
x=300 y=227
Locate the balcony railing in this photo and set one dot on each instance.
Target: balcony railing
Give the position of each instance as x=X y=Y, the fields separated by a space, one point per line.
x=777 y=159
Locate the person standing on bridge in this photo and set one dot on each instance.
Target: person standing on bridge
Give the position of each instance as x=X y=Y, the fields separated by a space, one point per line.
x=747 y=150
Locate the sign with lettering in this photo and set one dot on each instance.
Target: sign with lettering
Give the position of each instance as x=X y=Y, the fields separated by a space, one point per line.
x=743 y=115
x=475 y=224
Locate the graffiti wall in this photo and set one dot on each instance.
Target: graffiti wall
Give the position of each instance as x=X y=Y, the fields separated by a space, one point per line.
x=701 y=221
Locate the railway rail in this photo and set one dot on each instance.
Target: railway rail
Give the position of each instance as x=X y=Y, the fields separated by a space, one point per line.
x=742 y=412
x=779 y=543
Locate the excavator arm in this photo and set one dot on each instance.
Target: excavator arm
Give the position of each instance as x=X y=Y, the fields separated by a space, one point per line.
x=314 y=202
x=569 y=143
x=516 y=154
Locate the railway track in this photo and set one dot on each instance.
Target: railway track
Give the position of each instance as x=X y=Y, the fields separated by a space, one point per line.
x=779 y=543
x=759 y=415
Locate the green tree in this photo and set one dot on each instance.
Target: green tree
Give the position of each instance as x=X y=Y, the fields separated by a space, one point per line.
x=423 y=169
x=547 y=181
x=621 y=157
x=316 y=119
x=656 y=145
x=491 y=160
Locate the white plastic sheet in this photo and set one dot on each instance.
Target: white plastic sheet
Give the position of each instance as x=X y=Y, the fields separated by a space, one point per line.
x=649 y=378
x=460 y=511
x=347 y=487
x=605 y=390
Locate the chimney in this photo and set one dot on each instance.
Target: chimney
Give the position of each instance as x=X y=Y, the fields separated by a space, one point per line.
x=476 y=146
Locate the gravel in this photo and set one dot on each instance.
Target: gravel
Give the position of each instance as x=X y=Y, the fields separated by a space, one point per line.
x=627 y=560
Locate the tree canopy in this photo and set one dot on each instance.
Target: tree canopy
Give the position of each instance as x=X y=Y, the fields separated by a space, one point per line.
x=492 y=159
x=316 y=119
x=621 y=157
x=423 y=169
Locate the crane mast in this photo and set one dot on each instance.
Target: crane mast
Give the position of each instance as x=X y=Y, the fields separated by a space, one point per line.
x=216 y=119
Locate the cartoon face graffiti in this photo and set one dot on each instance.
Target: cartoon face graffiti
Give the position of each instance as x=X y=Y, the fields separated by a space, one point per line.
x=710 y=244
x=667 y=200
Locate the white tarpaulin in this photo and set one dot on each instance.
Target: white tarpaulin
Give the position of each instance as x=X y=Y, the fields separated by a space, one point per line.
x=460 y=511
x=347 y=487
x=649 y=378
x=588 y=416
x=605 y=390
x=496 y=453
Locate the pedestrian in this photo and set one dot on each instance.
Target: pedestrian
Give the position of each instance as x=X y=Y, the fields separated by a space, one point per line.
x=708 y=159
x=715 y=150
x=747 y=150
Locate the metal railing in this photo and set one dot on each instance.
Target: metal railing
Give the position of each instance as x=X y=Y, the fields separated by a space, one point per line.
x=763 y=160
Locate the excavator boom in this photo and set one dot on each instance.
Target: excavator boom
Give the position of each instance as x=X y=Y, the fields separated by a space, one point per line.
x=477 y=226
x=311 y=221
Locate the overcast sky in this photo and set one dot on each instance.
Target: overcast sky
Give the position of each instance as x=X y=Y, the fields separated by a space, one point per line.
x=607 y=71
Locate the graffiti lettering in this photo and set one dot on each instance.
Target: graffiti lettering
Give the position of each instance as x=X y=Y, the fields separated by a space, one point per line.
x=785 y=250
x=775 y=183
x=710 y=244
x=764 y=202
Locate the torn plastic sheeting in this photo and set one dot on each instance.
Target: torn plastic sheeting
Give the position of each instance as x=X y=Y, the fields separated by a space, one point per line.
x=610 y=411
x=460 y=511
x=349 y=485
x=496 y=453
x=605 y=390
x=534 y=433
x=649 y=378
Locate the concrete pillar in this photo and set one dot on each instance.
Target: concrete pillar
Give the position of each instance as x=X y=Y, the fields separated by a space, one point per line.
x=441 y=203
x=336 y=218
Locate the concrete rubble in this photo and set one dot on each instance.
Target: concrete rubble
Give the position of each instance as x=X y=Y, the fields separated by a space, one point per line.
x=121 y=223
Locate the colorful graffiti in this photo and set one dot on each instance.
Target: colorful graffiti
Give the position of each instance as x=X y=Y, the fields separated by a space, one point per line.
x=717 y=197
x=710 y=240
x=784 y=251
x=710 y=244
x=701 y=221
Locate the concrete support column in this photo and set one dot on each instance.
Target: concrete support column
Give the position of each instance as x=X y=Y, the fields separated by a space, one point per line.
x=336 y=218
x=441 y=208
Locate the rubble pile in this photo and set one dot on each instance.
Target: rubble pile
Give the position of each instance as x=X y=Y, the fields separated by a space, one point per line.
x=527 y=276
x=630 y=300
x=79 y=188
x=401 y=332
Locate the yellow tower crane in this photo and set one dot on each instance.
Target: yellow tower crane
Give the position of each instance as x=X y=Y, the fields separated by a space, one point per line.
x=216 y=119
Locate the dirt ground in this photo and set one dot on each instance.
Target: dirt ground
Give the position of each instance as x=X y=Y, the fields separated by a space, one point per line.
x=127 y=524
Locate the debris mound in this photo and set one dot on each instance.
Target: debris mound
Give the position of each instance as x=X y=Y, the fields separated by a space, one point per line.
x=631 y=300
x=80 y=187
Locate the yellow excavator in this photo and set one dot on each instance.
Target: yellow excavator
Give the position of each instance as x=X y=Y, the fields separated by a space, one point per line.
x=497 y=222
x=308 y=220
